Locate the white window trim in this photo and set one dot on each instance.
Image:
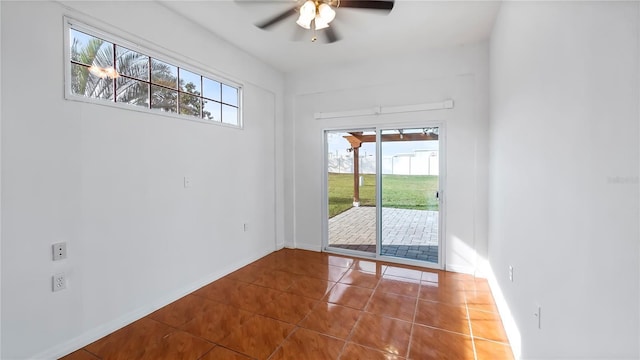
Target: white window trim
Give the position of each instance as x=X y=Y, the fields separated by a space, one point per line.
x=71 y=23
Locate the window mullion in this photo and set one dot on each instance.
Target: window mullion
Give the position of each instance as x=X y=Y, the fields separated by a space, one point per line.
x=115 y=95
x=127 y=78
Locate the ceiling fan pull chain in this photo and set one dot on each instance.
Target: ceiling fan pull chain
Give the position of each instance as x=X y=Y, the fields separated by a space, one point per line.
x=313 y=28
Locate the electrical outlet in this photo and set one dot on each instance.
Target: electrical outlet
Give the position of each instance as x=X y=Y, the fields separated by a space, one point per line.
x=59 y=282
x=245 y=227
x=187 y=182
x=510 y=273
x=59 y=251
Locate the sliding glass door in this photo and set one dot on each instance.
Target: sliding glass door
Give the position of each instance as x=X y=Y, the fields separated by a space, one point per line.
x=351 y=190
x=382 y=191
x=409 y=189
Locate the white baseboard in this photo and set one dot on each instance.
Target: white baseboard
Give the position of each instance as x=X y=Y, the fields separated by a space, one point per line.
x=105 y=329
x=310 y=247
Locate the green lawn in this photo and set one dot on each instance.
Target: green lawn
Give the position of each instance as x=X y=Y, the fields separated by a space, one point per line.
x=399 y=191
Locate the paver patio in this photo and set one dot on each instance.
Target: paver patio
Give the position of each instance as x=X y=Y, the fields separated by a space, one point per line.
x=411 y=234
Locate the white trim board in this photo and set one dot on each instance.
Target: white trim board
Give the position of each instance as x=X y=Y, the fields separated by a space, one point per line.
x=381 y=110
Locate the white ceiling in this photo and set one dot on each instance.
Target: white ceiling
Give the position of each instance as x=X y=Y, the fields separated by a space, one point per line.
x=411 y=26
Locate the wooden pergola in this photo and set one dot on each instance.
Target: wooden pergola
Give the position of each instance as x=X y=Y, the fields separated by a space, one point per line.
x=357 y=138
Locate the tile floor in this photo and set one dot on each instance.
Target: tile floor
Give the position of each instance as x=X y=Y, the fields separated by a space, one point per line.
x=296 y=304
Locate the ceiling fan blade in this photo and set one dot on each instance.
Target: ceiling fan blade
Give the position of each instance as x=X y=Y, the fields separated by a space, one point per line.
x=367 y=4
x=276 y=19
x=332 y=35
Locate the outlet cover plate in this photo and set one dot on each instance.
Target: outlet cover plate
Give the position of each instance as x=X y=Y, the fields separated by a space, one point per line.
x=59 y=251
x=58 y=282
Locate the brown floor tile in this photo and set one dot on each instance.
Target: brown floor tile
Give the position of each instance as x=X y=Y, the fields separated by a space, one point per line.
x=373 y=267
x=404 y=272
x=442 y=293
x=392 y=305
x=276 y=279
x=358 y=352
x=182 y=310
x=289 y=308
x=249 y=273
x=452 y=277
x=382 y=333
x=310 y=287
x=220 y=353
x=347 y=295
x=341 y=261
x=428 y=343
x=217 y=322
x=477 y=285
x=361 y=279
x=177 y=345
x=220 y=289
x=130 y=341
x=331 y=319
x=487 y=325
x=286 y=287
x=81 y=354
x=489 y=350
x=307 y=344
x=319 y=271
x=480 y=300
x=258 y=337
x=434 y=276
x=252 y=297
x=443 y=316
x=398 y=285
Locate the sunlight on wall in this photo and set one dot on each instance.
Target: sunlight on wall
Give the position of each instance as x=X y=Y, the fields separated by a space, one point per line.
x=482 y=268
x=460 y=253
x=509 y=323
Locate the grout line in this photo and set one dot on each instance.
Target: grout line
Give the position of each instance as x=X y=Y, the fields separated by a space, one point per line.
x=346 y=341
x=413 y=321
x=473 y=341
x=296 y=327
x=362 y=311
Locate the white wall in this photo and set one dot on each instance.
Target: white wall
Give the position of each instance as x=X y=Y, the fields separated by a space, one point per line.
x=0 y=179
x=564 y=92
x=109 y=181
x=458 y=73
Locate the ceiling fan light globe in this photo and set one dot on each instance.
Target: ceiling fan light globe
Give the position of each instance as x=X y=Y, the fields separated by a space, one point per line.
x=304 y=22
x=320 y=23
x=308 y=9
x=326 y=13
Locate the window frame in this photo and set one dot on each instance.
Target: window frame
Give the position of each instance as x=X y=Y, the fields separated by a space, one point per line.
x=180 y=64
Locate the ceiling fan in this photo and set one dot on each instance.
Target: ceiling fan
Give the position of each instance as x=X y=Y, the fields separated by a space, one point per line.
x=317 y=14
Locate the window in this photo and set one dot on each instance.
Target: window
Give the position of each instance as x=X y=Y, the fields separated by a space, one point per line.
x=111 y=71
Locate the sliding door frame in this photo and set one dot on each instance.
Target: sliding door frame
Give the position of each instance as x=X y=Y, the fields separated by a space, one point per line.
x=441 y=190
x=325 y=195
x=441 y=198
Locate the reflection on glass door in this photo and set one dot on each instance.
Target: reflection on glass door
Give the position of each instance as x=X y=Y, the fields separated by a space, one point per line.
x=410 y=168
x=351 y=190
